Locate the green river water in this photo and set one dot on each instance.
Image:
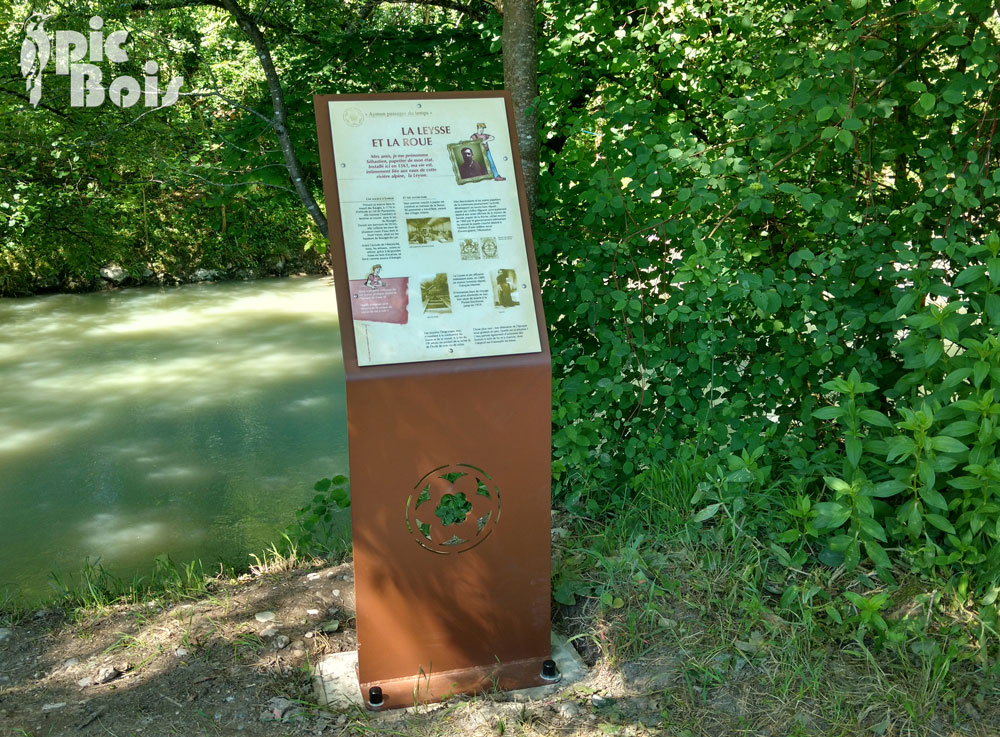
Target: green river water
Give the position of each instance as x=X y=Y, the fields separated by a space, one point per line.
x=189 y=421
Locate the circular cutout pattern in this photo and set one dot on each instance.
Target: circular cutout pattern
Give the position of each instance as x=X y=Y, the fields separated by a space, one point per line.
x=453 y=509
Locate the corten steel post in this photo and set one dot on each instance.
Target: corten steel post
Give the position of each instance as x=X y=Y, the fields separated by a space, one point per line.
x=435 y=619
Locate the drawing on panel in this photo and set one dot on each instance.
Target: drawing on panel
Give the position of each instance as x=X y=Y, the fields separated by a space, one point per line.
x=505 y=289
x=469 y=249
x=468 y=160
x=434 y=294
x=374 y=280
x=426 y=231
x=483 y=137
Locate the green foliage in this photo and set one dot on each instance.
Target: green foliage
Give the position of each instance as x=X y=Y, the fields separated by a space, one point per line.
x=318 y=528
x=201 y=184
x=96 y=588
x=453 y=509
x=928 y=481
x=738 y=210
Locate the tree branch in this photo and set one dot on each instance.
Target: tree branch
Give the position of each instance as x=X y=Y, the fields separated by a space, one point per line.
x=470 y=11
x=23 y=96
x=280 y=120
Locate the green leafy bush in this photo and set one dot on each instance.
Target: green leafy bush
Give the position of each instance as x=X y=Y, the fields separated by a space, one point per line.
x=317 y=527
x=741 y=208
x=928 y=479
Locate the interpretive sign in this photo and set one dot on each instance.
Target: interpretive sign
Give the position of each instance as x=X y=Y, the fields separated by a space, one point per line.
x=433 y=235
x=449 y=393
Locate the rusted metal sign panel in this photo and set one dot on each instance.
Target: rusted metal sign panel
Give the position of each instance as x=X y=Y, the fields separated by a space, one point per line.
x=448 y=392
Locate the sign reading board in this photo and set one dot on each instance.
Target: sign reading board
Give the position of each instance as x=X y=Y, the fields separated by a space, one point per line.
x=433 y=236
x=449 y=393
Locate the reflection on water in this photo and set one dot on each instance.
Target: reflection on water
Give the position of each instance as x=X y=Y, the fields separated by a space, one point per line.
x=190 y=421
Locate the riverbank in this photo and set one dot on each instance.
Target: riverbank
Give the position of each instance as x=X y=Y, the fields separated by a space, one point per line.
x=687 y=644
x=112 y=275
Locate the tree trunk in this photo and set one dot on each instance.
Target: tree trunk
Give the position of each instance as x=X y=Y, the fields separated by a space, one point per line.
x=520 y=75
x=280 y=120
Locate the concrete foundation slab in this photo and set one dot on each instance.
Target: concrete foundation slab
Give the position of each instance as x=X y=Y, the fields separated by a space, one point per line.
x=335 y=677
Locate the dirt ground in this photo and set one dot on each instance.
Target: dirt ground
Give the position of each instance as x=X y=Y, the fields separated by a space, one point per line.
x=239 y=660
x=223 y=665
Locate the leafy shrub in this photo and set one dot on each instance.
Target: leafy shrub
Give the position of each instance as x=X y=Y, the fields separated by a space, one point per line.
x=317 y=527
x=929 y=479
x=739 y=210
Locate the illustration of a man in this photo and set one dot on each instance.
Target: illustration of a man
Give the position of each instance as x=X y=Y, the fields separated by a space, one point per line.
x=504 y=296
x=373 y=280
x=470 y=167
x=482 y=135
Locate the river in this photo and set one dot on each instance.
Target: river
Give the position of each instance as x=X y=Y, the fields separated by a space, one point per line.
x=190 y=421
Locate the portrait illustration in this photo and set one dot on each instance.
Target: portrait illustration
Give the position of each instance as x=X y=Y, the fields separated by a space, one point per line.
x=468 y=160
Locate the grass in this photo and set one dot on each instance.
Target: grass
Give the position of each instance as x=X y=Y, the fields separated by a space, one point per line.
x=277 y=558
x=698 y=618
x=748 y=644
x=96 y=589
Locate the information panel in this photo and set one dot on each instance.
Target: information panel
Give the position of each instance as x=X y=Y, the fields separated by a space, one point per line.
x=436 y=256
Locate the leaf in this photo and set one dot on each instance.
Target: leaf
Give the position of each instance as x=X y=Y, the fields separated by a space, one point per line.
x=877 y=554
x=969 y=274
x=953 y=95
x=926 y=102
x=810 y=200
x=789 y=536
x=948 y=444
x=824 y=113
x=876 y=418
x=830 y=515
x=933 y=353
x=838 y=485
x=939 y=522
x=782 y=556
x=852 y=124
x=853 y=447
x=873 y=528
x=707 y=513
x=841 y=542
x=993 y=308
x=888 y=488
x=900 y=448
x=564 y=594
x=960 y=428
x=993 y=264
x=852 y=556
x=933 y=498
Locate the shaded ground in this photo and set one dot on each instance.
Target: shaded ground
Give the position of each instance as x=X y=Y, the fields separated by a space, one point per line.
x=212 y=667
x=222 y=665
x=206 y=667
